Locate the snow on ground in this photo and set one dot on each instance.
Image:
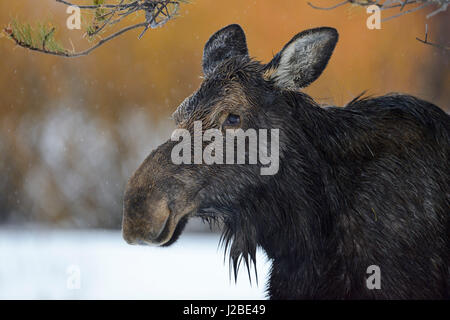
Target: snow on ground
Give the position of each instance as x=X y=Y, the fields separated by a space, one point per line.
x=49 y=264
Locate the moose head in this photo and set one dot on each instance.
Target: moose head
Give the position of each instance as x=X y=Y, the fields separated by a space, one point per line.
x=237 y=93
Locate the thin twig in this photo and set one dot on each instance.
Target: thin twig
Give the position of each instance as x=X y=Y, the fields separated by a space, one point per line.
x=440 y=46
x=112 y=13
x=442 y=6
x=111 y=6
x=328 y=8
x=425 y=41
x=402 y=5
x=44 y=41
x=103 y=41
x=82 y=53
x=426 y=4
x=441 y=9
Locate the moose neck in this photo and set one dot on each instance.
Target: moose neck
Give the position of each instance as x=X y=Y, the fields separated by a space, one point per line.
x=301 y=244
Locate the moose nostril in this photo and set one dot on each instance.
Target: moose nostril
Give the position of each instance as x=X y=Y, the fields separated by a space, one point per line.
x=159 y=215
x=134 y=202
x=145 y=221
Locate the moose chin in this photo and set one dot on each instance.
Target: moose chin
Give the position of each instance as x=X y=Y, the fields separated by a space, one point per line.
x=363 y=185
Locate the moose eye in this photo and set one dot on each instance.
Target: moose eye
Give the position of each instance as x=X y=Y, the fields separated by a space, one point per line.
x=232 y=120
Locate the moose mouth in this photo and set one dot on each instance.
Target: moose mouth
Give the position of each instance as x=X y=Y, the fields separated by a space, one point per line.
x=167 y=230
x=176 y=222
x=170 y=233
x=160 y=229
x=161 y=221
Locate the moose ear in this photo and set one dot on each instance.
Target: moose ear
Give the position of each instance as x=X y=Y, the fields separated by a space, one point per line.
x=302 y=59
x=225 y=43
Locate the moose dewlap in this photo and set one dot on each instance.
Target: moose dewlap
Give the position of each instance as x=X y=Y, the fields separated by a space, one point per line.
x=359 y=206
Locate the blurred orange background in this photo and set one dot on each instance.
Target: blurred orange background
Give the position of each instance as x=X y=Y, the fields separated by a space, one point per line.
x=151 y=76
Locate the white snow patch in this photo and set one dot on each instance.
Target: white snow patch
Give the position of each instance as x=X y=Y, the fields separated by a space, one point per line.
x=34 y=264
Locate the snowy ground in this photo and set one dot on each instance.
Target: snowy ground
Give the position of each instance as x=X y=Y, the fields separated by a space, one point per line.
x=43 y=264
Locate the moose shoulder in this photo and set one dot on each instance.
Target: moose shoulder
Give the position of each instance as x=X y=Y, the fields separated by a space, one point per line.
x=357 y=186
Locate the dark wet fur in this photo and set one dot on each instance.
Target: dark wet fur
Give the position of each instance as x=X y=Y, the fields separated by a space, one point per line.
x=360 y=185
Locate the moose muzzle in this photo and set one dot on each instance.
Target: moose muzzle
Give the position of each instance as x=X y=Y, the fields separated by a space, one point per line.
x=145 y=221
x=156 y=200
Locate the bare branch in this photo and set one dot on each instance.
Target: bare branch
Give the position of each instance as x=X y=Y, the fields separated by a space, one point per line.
x=47 y=36
x=441 y=9
x=328 y=8
x=111 y=15
x=103 y=41
x=413 y=6
x=425 y=41
x=426 y=4
x=156 y=13
x=111 y=6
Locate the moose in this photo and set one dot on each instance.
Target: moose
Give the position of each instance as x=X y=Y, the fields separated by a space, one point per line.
x=366 y=184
